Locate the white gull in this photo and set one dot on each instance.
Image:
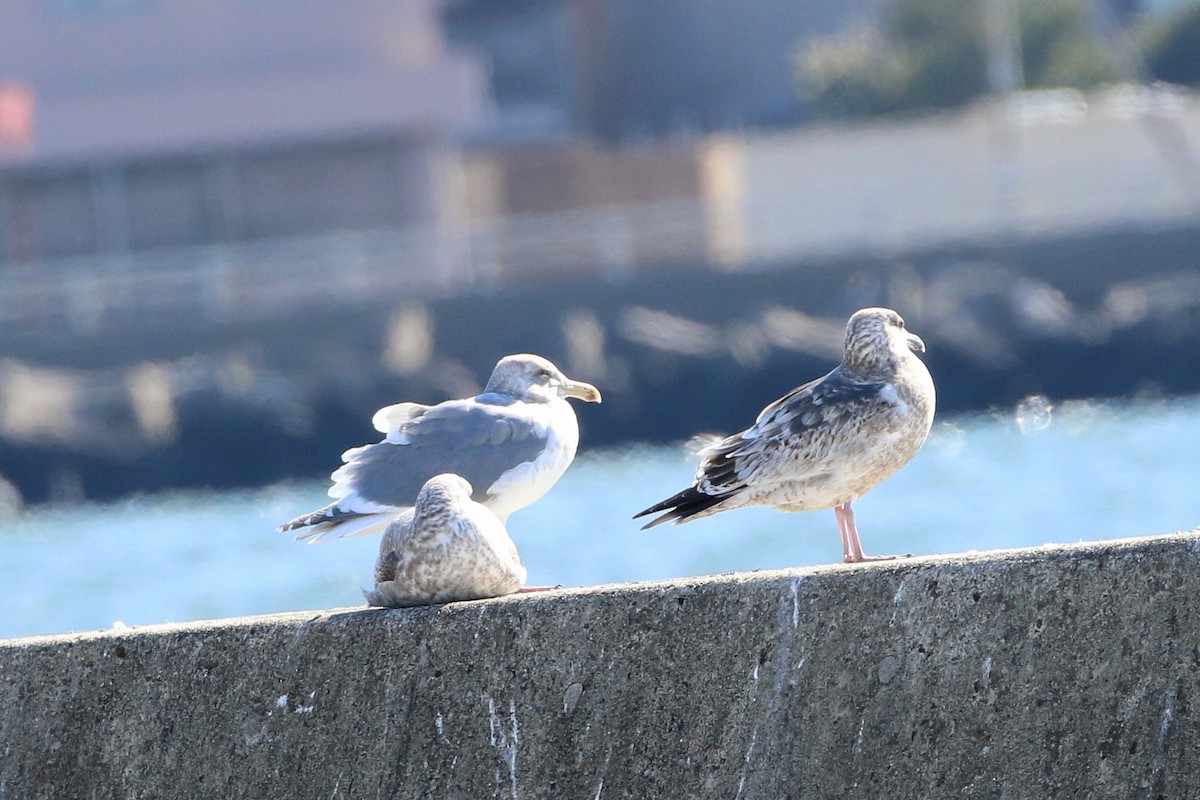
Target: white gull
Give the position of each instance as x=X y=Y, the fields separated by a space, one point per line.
x=511 y=443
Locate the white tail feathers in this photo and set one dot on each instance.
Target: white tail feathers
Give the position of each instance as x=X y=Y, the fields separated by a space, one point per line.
x=366 y=525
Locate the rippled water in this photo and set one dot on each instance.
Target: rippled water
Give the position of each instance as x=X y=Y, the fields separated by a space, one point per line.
x=1035 y=475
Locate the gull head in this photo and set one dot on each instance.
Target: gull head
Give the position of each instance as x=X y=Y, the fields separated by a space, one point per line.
x=876 y=340
x=533 y=378
x=444 y=488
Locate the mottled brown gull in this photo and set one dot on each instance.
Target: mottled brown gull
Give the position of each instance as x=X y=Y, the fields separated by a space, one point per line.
x=447 y=547
x=826 y=443
x=511 y=443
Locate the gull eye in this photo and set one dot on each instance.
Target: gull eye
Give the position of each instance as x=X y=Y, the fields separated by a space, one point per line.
x=542 y=374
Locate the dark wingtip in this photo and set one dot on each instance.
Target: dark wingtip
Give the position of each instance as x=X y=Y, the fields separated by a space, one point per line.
x=317 y=521
x=681 y=507
x=670 y=504
x=656 y=507
x=668 y=517
x=291 y=525
x=303 y=521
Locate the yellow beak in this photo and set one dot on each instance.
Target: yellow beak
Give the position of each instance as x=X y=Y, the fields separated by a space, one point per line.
x=584 y=391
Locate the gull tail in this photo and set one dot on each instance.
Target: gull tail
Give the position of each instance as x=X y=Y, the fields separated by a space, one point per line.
x=332 y=522
x=683 y=506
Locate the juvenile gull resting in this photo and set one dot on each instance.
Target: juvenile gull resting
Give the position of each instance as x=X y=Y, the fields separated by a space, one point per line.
x=511 y=443
x=826 y=443
x=446 y=548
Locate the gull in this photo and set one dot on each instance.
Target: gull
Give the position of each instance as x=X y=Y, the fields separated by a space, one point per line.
x=511 y=443
x=827 y=443
x=447 y=547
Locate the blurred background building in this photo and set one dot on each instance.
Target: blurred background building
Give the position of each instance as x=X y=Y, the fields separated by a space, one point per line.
x=230 y=230
x=165 y=124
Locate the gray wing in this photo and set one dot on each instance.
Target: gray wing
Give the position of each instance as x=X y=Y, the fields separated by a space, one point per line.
x=825 y=402
x=799 y=420
x=477 y=440
x=804 y=420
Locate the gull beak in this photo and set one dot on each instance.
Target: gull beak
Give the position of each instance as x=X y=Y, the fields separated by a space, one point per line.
x=584 y=391
x=914 y=342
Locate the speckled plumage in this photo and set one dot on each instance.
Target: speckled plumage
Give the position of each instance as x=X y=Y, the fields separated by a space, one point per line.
x=511 y=443
x=826 y=443
x=447 y=547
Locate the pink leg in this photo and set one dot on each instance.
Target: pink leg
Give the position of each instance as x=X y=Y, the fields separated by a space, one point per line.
x=848 y=540
x=528 y=589
x=852 y=552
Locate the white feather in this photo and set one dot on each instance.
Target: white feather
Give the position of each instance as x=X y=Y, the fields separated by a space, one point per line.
x=367 y=525
x=889 y=395
x=528 y=481
x=389 y=418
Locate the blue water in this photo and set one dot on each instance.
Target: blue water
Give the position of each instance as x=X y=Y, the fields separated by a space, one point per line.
x=1033 y=475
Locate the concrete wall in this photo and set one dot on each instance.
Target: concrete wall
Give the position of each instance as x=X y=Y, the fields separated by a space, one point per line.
x=220 y=196
x=1038 y=164
x=1056 y=672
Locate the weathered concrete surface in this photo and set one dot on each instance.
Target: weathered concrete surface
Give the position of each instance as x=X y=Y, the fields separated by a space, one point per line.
x=1053 y=672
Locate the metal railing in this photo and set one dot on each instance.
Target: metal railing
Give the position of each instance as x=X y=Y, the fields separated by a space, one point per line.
x=258 y=280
